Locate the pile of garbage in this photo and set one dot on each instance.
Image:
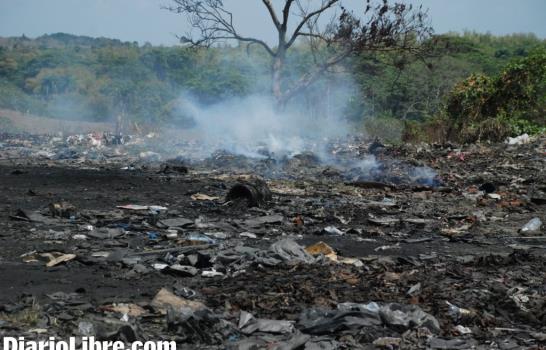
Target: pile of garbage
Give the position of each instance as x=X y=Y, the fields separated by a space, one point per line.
x=296 y=253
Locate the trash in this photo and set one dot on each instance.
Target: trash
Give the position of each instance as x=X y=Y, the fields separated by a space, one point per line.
x=211 y=273
x=408 y=316
x=263 y=220
x=521 y=299
x=106 y=233
x=199 y=238
x=183 y=291
x=290 y=251
x=181 y=270
x=356 y=316
x=142 y=207
x=60 y=259
x=414 y=290
x=248 y=324
x=197 y=326
x=248 y=235
x=388 y=342
x=176 y=222
x=172 y=235
x=458 y=313
x=451 y=344
x=86 y=329
x=518 y=140
x=462 y=330
x=332 y=230
x=131 y=310
x=254 y=191
x=218 y=235
x=63 y=210
x=533 y=225
x=385 y=221
x=387 y=247
x=203 y=197
x=152 y=236
x=160 y=266
x=494 y=196
x=391 y=240
x=164 y=299
x=322 y=248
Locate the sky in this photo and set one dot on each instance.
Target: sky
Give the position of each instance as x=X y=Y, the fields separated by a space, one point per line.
x=145 y=20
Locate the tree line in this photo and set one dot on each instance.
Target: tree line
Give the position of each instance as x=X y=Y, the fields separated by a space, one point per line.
x=77 y=77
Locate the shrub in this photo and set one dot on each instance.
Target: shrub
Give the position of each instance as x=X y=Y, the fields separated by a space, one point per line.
x=492 y=108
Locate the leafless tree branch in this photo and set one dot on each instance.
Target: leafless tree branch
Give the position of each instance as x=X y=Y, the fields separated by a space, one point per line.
x=381 y=27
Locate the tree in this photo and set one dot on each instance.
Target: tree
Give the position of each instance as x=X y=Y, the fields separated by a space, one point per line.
x=382 y=27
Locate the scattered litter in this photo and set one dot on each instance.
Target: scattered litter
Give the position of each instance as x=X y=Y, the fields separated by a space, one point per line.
x=332 y=230
x=164 y=299
x=60 y=259
x=533 y=225
x=212 y=273
x=518 y=140
x=248 y=324
x=142 y=207
x=203 y=197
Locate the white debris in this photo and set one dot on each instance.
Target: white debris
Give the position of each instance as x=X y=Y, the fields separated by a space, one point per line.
x=518 y=140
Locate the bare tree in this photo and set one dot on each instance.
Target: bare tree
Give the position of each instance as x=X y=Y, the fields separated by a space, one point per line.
x=381 y=27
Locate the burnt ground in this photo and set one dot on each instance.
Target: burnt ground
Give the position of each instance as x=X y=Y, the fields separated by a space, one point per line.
x=453 y=247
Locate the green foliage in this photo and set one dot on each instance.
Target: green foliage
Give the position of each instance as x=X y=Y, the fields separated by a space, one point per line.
x=510 y=103
x=408 y=88
x=78 y=77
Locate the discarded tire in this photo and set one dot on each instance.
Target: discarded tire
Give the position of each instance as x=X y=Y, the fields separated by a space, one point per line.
x=254 y=191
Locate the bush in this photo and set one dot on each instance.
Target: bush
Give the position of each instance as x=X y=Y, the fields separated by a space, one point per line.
x=492 y=108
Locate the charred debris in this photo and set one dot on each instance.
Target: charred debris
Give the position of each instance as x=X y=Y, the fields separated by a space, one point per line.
x=359 y=246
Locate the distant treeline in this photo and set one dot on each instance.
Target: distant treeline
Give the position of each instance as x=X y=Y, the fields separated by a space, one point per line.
x=78 y=77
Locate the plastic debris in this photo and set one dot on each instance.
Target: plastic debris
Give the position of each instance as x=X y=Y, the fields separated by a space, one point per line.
x=518 y=140
x=332 y=230
x=458 y=313
x=533 y=225
x=203 y=197
x=248 y=324
x=212 y=273
x=290 y=251
x=164 y=299
x=142 y=207
x=60 y=259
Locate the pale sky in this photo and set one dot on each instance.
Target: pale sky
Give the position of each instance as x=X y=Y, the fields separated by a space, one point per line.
x=144 y=20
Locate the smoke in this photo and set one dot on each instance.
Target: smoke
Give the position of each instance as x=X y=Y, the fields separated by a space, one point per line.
x=254 y=127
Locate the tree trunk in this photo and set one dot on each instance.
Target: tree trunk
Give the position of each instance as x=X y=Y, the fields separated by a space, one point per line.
x=276 y=79
x=276 y=86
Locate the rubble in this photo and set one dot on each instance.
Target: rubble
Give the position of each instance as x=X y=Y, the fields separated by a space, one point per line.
x=434 y=246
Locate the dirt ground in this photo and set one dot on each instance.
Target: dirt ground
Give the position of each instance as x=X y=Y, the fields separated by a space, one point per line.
x=452 y=246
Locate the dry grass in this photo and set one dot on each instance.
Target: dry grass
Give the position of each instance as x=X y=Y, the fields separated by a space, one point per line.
x=44 y=125
x=27 y=317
